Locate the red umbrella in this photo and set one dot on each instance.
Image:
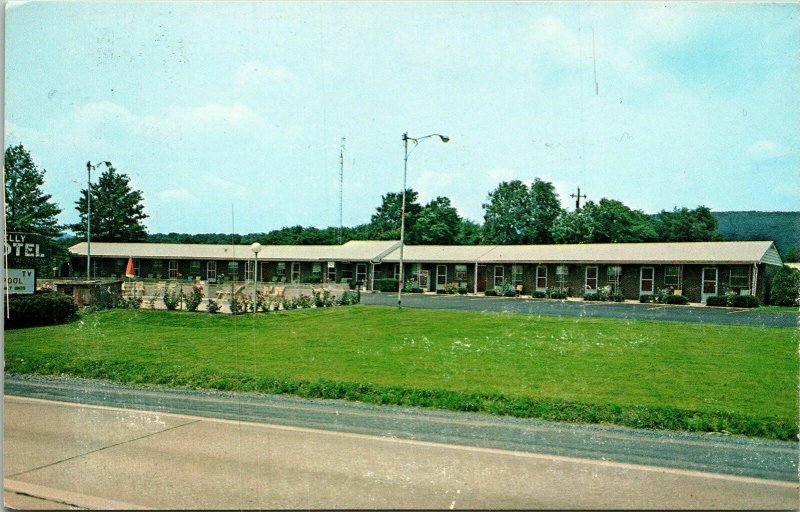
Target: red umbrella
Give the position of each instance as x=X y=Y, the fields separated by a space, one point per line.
x=129 y=269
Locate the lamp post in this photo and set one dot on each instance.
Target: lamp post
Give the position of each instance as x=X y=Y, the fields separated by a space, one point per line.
x=406 y=138
x=256 y=248
x=89 y=168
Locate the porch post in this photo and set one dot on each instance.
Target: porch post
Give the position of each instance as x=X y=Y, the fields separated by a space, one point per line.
x=372 y=277
x=476 y=279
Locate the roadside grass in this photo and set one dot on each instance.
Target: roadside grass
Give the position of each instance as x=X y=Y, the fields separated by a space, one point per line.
x=789 y=310
x=645 y=374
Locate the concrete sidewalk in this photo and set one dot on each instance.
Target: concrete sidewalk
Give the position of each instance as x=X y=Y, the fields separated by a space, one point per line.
x=100 y=457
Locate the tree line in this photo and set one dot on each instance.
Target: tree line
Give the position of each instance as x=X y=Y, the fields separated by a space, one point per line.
x=514 y=213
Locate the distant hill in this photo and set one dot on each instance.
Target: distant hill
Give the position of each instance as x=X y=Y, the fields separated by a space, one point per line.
x=781 y=227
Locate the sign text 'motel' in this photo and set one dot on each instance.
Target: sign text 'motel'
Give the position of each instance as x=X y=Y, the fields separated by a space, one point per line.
x=17 y=246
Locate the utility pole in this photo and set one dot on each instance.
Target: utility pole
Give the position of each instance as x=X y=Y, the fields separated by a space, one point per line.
x=578 y=198
x=341 y=188
x=89 y=221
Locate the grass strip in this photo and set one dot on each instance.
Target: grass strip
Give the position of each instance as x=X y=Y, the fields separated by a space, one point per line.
x=644 y=417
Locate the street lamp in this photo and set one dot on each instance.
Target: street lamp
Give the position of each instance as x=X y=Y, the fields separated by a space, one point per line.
x=89 y=168
x=256 y=248
x=406 y=138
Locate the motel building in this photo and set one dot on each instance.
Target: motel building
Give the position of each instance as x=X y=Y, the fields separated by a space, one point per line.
x=696 y=270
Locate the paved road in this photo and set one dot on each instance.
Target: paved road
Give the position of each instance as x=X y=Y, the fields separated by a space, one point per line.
x=334 y=454
x=101 y=457
x=633 y=311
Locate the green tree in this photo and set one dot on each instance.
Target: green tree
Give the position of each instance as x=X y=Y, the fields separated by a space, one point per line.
x=507 y=214
x=684 y=225
x=117 y=210
x=469 y=233
x=545 y=208
x=517 y=214
x=785 y=287
x=28 y=209
x=437 y=224
x=576 y=227
x=608 y=221
x=385 y=222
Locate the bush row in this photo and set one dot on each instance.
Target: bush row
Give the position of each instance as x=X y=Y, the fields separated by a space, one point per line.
x=736 y=301
x=666 y=299
x=40 y=308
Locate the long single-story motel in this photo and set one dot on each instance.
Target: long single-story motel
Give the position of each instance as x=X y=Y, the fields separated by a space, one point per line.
x=696 y=270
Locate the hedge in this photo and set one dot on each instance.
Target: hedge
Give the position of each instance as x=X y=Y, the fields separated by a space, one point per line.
x=677 y=299
x=387 y=285
x=744 y=301
x=717 y=300
x=41 y=308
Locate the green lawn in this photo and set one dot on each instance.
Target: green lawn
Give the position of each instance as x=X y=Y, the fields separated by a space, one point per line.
x=639 y=373
x=789 y=310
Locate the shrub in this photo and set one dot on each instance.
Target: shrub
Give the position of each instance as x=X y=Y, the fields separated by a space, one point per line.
x=506 y=290
x=677 y=299
x=304 y=301
x=41 y=308
x=491 y=293
x=195 y=298
x=538 y=294
x=104 y=298
x=349 y=298
x=616 y=297
x=593 y=297
x=323 y=299
x=717 y=300
x=452 y=288
x=744 y=301
x=410 y=286
x=442 y=291
x=558 y=295
x=131 y=303
x=462 y=291
x=172 y=299
x=647 y=298
x=239 y=304
x=785 y=288
x=311 y=279
x=387 y=285
x=213 y=307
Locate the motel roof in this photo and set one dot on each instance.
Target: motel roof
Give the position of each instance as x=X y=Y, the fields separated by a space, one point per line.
x=388 y=251
x=355 y=250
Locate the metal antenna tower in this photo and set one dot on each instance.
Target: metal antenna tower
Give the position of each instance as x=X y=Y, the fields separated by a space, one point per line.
x=341 y=188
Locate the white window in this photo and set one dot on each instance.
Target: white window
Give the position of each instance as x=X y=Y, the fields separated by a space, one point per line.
x=614 y=275
x=397 y=271
x=173 y=269
x=316 y=269
x=347 y=271
x=249 y=270
x=332 y=271
x=211 y=270
x=740 y=277
x=541 y=277
x=280 y=269
x=295 y=272
x=591 y=278
x=137 y=267
x=194 y=267
x=361 y=273
x=672 y=276
x=562 y=277
x=499 y=275
x=461 y=272
x=516 y=271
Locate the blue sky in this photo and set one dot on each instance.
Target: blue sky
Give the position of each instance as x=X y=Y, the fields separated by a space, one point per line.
x=211 y=104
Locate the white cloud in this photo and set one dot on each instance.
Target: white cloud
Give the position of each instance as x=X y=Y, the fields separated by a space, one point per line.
x=211 y=117
x=256 y=74
x=175 y=194
x=224 y=188
x=766 y=149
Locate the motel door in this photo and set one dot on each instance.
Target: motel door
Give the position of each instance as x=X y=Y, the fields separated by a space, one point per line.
x=361 y=273
x=709 y=283
x=441 y=276
x=295 y=272
x=646 y=280
x=424 y=279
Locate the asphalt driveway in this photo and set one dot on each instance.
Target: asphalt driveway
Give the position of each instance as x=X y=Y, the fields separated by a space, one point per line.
x=628 y=310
